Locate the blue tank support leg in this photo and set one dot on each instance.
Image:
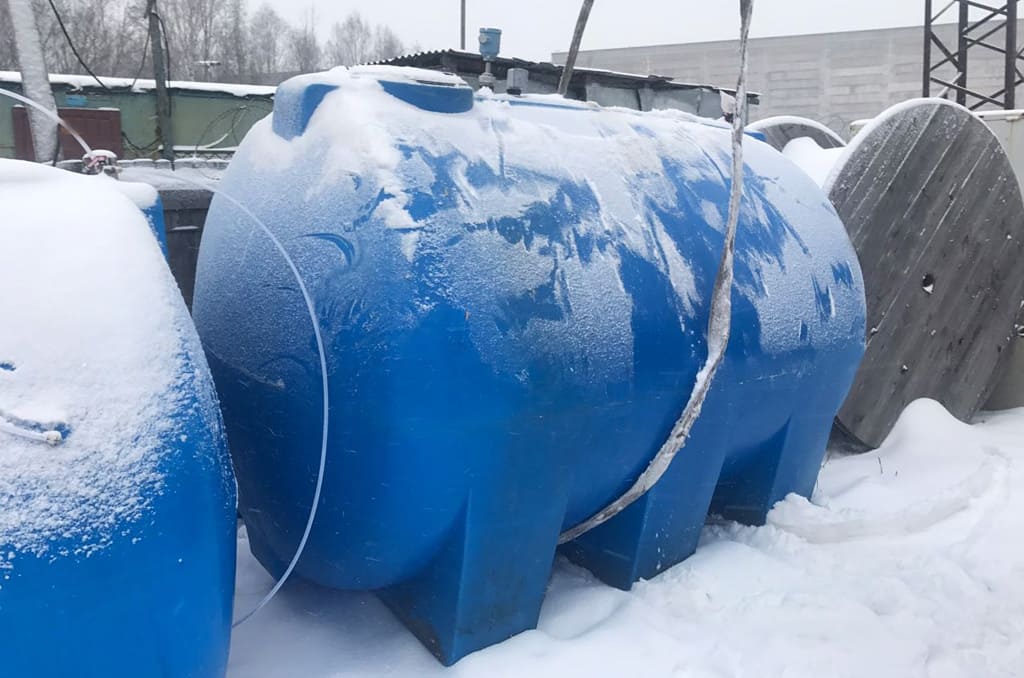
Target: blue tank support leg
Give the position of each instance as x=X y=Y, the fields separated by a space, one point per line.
x=487 y=582
x=747 y=485
x=786 y=462
x=663 y=527
x=263 y=553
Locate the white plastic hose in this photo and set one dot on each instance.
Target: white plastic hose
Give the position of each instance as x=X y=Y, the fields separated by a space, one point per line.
x=48 y=437
x=54 y=437
x=719 y=323
x=53 y=116
x=326 y=398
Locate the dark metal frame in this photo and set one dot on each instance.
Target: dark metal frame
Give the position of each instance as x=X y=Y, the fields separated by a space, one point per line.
x=973 y=34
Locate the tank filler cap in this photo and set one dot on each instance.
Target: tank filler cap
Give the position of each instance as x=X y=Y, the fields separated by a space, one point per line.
x=298 y=98
x=434 y=91
x=423 y=76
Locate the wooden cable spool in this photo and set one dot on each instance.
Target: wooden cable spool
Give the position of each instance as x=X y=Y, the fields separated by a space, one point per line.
x=780 y=130
x=934 y=210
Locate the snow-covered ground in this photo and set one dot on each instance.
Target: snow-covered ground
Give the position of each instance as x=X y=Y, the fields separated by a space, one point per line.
x=908 y=562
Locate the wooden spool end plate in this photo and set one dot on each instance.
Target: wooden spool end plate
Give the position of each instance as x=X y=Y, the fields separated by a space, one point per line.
x=934 y=210
x=780 y=130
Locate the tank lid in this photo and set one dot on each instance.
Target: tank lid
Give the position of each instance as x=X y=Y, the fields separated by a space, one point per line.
x=423 y=76
x=298 y=98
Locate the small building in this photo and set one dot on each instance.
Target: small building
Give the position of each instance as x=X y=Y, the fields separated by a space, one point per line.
x=120 y=115
x=210 y=119
x=607 y=88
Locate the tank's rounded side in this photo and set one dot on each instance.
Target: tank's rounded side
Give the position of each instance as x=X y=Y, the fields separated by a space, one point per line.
x=157 y=598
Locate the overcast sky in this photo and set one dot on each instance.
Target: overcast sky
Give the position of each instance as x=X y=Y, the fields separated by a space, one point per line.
x=533 y=29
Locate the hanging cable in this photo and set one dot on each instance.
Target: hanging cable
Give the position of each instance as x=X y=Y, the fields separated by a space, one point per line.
x=142 y=66
x=71 y=44
x=236 y=114
x=151 y=146
x=719 y=320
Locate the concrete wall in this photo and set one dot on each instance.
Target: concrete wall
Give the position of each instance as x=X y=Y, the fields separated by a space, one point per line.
x=834 y=78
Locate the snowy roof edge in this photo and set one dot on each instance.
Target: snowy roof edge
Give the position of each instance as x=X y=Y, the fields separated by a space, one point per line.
x=130 y=84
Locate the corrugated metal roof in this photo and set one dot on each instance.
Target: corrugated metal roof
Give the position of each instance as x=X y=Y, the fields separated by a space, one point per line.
x=434 y=59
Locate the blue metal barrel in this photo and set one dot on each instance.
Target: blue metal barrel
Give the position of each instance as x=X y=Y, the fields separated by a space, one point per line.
x=117 y=502
x=514 y=295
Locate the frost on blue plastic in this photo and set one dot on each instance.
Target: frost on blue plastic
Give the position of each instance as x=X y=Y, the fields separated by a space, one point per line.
x=515 y=301
x=117 y=503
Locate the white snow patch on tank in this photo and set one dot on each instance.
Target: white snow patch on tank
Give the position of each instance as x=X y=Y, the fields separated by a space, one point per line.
x=143 y=195
x=788 y=304
x=90 y=343
x=372 y=142
x=362 y=127
x=712 y=214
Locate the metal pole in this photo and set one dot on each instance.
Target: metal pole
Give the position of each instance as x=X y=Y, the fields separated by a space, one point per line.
x=961 y=53
x=574 y=48
x=926 y=80
x=35 y=80
x=1011 y=55
x=462 y=34
x=164 y=126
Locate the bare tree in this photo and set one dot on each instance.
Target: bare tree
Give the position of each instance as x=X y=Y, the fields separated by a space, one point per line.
x=92 y=25
x=193 y=28
x=355 y=41
x=8 y=59
x=208 y=39
x=350 y=42
x=235 y=43
x=268 y=31
x=386 y=44
x=304 y=46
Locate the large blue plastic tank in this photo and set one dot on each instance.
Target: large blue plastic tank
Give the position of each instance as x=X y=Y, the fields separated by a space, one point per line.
x=514 y=294
x=117 y=543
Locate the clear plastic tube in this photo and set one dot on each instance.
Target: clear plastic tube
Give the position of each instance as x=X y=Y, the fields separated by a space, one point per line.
x=56 y=118
x=49 y=437
x=326 y=396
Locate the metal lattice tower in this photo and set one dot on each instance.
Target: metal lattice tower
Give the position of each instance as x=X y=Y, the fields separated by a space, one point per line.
x=980 y=25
